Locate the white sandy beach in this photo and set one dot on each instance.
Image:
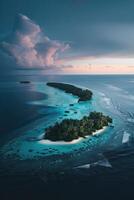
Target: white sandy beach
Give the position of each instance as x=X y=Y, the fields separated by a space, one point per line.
x=49 y=142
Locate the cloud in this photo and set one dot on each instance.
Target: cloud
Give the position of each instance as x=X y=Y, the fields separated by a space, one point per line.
x=28 y=46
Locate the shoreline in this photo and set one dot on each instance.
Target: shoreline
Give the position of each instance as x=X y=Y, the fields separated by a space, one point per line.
x=49 y=142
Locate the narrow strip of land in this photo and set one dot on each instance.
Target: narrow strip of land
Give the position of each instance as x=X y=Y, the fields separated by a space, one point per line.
x=84 y=95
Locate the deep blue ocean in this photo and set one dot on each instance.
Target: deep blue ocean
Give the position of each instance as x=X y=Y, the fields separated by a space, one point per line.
x=101 y=167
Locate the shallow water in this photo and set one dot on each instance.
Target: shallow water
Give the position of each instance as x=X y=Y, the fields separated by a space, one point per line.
x=33 y=107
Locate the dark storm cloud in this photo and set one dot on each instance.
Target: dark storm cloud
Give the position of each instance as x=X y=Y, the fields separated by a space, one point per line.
x=28 y=46
x=94 y=27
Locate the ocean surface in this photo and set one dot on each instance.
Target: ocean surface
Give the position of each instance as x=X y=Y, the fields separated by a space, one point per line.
x=99 y=167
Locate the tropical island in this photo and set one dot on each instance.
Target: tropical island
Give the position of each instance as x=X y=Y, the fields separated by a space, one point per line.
x=83 y=94
x=72 y=129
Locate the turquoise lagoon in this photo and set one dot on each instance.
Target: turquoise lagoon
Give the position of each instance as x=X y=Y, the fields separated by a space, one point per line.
x=27 y=145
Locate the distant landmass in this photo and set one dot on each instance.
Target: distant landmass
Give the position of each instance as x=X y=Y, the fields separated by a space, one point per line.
x=25 y=82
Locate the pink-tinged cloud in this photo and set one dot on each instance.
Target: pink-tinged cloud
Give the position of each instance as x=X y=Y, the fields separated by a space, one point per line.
x=30 y=47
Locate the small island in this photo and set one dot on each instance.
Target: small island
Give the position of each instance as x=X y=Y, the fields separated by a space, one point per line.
x=84 y=95
x=25 y=82
x=72 y=129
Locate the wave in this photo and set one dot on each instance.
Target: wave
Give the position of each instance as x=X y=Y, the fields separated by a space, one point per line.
x=106 y=99
x=113 y=87
x=126 y=137
x=104 y=162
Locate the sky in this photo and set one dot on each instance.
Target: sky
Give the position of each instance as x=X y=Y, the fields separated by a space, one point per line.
x=69 y=37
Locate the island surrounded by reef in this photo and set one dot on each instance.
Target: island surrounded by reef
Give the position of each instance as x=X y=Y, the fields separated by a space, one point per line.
x=71 y=129
x=83 y=94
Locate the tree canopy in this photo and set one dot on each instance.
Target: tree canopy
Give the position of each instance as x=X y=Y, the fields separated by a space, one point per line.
x=70 y=129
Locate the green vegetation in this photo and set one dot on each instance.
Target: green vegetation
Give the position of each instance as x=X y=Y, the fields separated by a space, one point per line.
x=83 y=95
x=70 y=129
